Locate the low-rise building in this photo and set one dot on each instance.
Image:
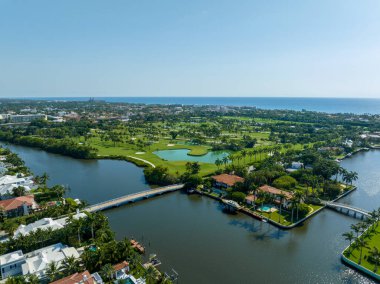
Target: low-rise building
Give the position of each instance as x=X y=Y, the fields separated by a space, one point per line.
x=81 y=278
x=45 y=224
x=37 y=262
x=121 y=270
x=226 y=180
x=18 y=206
x=11 y=264
x=18 y=118
x=8 y=183
x=281 y=197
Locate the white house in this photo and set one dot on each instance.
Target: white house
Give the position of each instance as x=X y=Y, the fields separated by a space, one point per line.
x=11 y=264
x=45 y=224
x=8 y=183
x=35 y=262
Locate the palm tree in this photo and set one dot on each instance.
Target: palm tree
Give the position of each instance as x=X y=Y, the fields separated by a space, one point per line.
x=107 y=271
x=91 y=219
x=218 y=162
x=33 y=279
x=151 y=274
x=15 y=280
x=362 y=243
x=375 y=256
x=349 y=236
x=70 y=265
x=356 y=229
x=243 y=154
x=53 y=272
x=44 y=178
x=225 y=161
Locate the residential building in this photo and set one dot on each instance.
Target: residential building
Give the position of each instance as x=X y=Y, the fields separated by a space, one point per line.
x=81 y=278
x=121 y=270
x=280 y=196
x=36 y=262
x=11 y=264
x=17 y=206
x=8 y=183
x=250 y=199
x=45 y=224
x=226 y=180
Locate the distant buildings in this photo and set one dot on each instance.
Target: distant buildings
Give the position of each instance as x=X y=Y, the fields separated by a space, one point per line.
x=35 y=262
x=19 y=118
x=295 y=166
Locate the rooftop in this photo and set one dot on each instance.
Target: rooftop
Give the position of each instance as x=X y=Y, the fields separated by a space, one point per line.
x=276 y=191
x=11 y=257
x=230 y=180
x=14 y=203
x=79 y=277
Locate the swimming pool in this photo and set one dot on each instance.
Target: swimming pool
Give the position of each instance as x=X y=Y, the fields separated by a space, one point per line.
x=267 y=208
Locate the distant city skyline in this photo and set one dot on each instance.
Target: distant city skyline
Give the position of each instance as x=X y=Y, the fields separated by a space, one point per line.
x=249 y=48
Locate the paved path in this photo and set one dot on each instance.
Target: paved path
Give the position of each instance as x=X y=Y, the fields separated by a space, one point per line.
x=142 y=160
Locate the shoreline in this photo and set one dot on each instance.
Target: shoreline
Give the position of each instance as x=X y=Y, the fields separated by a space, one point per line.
x=260 y=217
x=357 y=266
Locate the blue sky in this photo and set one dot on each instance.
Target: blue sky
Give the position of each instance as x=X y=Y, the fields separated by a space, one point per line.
x=324 y=48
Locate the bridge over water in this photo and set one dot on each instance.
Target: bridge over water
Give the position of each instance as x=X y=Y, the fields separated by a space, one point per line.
x=133 y=197
x=346 y=209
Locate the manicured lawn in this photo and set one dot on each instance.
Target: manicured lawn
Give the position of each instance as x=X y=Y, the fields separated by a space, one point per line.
x=108 y=148
x=374 y=241
x=285 y=217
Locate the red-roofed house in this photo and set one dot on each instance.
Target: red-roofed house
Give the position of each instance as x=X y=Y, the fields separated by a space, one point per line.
x=278 y=194
x=17 y=206
x=80 y=277
x=121 y=270
x=226 y=180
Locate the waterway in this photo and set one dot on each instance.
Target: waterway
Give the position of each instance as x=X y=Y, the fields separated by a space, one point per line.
x=204 y=245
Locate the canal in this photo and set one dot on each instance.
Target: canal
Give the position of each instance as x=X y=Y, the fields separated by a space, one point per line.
x=204 y=245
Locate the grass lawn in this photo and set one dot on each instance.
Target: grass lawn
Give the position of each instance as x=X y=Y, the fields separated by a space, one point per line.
x=374 y=241
x=108 y=148
x=285 y=217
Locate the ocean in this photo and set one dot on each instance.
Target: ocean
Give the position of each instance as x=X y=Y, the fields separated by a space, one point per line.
x=328 y=105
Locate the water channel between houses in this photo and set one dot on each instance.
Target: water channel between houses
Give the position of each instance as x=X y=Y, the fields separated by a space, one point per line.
x=204 y=245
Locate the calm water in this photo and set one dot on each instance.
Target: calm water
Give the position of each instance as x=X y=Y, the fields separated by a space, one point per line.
x=205 y=245
x=182 y=155
x=330 y=105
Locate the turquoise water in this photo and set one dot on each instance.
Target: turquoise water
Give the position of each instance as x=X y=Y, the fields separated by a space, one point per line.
x=265 y=208
x=330 y=105
x=182 y=155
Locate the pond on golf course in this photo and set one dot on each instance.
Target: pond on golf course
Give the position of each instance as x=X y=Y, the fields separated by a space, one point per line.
x=183 y=155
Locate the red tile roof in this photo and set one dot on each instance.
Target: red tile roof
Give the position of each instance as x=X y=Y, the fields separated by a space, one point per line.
x=120 y=266
x=14 y=203
x=276 y=191
x=251 y=197
x=76 y=278
x=230 y=180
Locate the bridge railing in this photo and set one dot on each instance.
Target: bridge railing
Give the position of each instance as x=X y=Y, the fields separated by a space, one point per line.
x=147 y=192
x=346 y=206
